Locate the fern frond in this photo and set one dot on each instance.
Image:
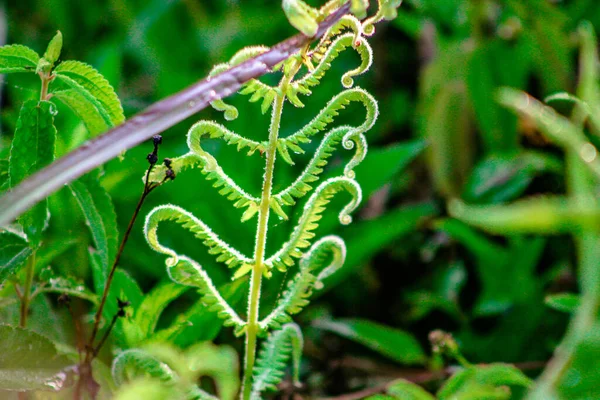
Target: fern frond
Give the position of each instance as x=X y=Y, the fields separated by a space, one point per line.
x=217 y=247
x=231 y=112
x=331 y=110
x=210 y=167
x=340 y=43
x=273 y=357
x=324 y=257
x=303 y=232
x=302 y=184
x=346 y=22
x=387 y=10
x=326 y=117
x=188 y=272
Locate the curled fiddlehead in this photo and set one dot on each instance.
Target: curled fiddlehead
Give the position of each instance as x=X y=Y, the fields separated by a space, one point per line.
x=303 y=232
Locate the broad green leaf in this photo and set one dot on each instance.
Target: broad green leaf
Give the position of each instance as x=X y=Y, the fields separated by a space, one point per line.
x=17 y=58
x=393 y=343
x=146 y=315
x=565 y=302
x=32 y=149
x=88 y=81
x=29 y=361
x=100 y=216
x=14 y=252
x=88 y=111
x=484 y=382
x=499 y=178
x=580 y=380
x=404 y=390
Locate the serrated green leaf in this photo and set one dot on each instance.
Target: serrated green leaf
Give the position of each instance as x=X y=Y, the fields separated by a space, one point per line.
x=145 y=317
x=99 y=214
x=91 y=113
x=565 y=302
x=32 y=149
x=29 y=361
x=84 y=78
x=14 y=251
x=393 y=343
x=17 y=58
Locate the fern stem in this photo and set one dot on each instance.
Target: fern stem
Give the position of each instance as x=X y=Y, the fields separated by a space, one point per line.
x=252 y=326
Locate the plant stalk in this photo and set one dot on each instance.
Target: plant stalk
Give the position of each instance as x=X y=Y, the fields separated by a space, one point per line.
x=261 y=239
x=155 y=119
x=27 y=290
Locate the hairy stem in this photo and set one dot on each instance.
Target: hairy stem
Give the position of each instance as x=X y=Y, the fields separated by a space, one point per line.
x=261 y=239
x=27 y=290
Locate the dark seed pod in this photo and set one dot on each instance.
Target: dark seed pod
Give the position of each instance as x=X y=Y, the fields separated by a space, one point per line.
x=152 y=158
x=157 y=139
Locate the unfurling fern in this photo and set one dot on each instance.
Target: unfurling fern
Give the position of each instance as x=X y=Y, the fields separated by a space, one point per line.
x=316 y=260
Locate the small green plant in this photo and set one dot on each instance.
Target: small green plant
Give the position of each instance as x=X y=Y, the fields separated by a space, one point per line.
x=316 y=260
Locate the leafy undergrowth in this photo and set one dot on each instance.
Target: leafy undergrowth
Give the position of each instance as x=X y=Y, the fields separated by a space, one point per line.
x=470 y=264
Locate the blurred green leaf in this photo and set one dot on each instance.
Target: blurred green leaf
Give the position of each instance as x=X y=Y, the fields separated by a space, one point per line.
x=393 y=343
x=483 y=382
x=500 y=178
x=580 y=380
x=405 y=390
x=565 y=302
x=29 y=361
x=14 y=252
x=145 y=317
x=366 y=238
x=507 y=273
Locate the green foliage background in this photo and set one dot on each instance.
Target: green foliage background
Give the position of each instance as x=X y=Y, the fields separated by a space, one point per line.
x=441 y=135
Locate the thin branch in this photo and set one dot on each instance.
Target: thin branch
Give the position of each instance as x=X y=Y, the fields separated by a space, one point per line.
x=155 y=119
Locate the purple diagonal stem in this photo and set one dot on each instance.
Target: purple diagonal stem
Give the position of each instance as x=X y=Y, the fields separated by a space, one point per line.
x=155 y=119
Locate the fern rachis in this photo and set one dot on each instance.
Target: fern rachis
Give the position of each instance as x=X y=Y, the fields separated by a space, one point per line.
x=316 y=261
